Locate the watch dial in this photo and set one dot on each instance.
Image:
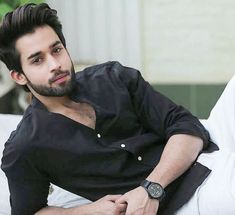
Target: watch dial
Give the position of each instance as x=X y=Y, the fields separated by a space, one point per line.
x=155 y=190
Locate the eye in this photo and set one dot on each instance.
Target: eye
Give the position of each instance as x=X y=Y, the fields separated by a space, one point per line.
x=37 y=60
x=57 y=50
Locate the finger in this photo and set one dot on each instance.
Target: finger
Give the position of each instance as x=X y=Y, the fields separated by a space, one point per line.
x=121 y=207
x=121 y=200
x=112 y=198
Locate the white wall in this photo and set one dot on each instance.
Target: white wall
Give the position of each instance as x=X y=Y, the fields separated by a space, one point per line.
x=6 y=82
x=189 y=40
x=101 y=30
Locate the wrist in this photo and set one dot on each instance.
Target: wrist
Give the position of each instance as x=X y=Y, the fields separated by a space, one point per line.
x=154 y=190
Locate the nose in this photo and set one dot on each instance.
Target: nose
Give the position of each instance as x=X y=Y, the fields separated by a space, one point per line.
x=53 y=64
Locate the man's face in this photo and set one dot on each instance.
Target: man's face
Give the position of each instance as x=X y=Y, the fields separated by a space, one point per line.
x=46 y=63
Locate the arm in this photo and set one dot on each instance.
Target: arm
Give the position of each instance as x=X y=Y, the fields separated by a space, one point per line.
x=180 y=131
x=29 y=190
x=179 y=153
x=104 y=206
x=28 y=197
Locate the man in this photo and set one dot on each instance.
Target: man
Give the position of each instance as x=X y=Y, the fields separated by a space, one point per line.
x=102 y=133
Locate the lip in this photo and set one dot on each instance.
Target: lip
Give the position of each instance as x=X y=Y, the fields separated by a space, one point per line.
x=60 y=78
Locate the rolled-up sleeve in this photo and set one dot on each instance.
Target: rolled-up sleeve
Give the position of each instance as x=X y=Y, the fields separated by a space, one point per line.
x=156 y=111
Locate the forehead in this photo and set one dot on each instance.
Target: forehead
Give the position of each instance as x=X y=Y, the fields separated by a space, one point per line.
x=37 y=41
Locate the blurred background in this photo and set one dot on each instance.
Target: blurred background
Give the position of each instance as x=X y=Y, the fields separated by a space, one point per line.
x=184 y=48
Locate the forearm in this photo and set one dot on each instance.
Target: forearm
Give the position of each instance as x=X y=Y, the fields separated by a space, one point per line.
x=81 y=210
x=179 y=153
x=103 y=206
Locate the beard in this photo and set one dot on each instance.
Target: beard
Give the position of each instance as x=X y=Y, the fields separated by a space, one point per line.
x=63 y=89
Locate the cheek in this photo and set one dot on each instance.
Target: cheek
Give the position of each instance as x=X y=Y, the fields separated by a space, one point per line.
x=39 y=79
x=37 y=76
x=66 y=61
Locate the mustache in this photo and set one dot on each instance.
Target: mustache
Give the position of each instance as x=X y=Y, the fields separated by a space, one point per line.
x=57 y=75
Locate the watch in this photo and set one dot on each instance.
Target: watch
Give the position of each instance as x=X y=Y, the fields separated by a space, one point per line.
x=154 y=190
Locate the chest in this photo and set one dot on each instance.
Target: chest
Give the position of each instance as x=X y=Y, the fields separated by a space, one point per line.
x=82 y=113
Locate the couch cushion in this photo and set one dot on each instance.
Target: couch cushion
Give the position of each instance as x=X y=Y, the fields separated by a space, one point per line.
x=221 y=121
x=7 y=124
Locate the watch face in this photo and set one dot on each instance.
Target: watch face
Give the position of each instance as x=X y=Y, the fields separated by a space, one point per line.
x=155 y=191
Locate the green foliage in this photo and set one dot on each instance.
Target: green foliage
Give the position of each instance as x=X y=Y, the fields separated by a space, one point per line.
x=9 y=5
x=4 y=8
x=28 y=1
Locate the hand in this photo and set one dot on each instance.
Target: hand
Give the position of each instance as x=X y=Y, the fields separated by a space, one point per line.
x=103 y=206
x=138 y=202
x=107 y=206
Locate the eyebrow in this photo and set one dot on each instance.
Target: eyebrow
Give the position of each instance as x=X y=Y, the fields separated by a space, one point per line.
x=38 y=53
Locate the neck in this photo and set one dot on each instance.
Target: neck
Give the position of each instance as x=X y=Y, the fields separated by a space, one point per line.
x=54 y=104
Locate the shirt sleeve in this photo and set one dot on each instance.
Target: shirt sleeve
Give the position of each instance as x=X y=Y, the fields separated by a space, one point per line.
x=28 y=188
x=28 y=196
x=157 y=112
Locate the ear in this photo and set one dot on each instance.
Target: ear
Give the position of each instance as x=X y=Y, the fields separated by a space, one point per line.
x=18 y=77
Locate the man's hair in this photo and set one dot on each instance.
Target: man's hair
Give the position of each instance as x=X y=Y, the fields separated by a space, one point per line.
x=23 y=20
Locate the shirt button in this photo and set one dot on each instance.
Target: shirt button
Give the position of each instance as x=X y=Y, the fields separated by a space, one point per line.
x=98 y=135
x=123 y=145
x=139 y=158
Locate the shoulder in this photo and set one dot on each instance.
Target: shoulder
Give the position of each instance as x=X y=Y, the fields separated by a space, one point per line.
x=21 y=132
x=108 y=71
x=20 y=148
x=26 y=133
x=99 y=68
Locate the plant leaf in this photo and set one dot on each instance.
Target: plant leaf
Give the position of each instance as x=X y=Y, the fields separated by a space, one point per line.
x=30 y=1
x=4 y=8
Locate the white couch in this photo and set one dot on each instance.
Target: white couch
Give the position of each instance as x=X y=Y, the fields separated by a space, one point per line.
x=220 y=124
x=7 y=124
x=216 y=195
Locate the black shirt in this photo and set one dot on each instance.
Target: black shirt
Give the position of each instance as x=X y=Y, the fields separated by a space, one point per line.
x=133 y=124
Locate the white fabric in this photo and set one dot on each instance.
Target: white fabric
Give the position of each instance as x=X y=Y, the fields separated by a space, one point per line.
x=221 y=122
x=58 y=197
x=217 y=194
x=65 y=199
x=7 y=124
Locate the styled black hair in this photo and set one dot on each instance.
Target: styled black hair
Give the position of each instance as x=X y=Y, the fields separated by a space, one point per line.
x=25 y=19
